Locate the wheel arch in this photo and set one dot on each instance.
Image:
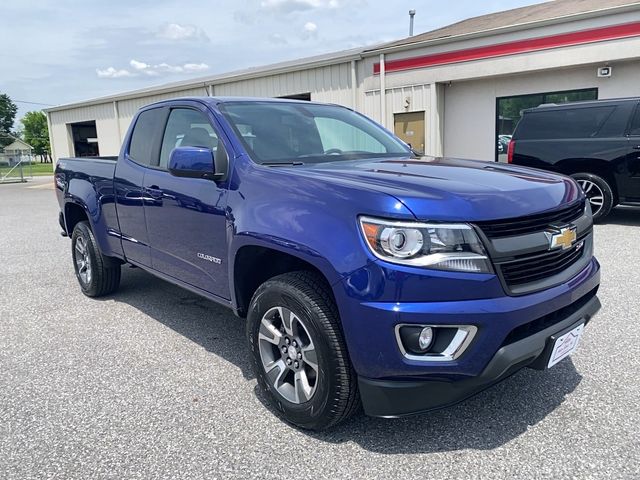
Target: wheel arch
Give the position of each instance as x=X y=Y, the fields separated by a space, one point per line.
x=596 y=166
x=74 y=213
x=255 y=263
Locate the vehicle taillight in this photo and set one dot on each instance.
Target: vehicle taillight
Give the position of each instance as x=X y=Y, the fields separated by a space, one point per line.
x=510 y=149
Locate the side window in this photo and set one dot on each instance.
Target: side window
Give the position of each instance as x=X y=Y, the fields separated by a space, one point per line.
x=186 y=128
x=145 y=130
x=584 y=122
x=338 y=135
x=635 y=123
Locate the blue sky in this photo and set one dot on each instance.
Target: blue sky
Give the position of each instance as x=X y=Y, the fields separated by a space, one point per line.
x=59 y=51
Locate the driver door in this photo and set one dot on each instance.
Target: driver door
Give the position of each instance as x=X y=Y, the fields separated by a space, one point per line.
x=186 y=217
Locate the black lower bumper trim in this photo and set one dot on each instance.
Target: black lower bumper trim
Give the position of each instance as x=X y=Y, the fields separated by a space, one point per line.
x=396 y=398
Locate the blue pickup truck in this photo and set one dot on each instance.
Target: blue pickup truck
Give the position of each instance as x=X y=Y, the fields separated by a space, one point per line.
x=368 y=275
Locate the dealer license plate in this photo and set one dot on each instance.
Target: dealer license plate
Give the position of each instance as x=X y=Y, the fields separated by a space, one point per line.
x=565 y=345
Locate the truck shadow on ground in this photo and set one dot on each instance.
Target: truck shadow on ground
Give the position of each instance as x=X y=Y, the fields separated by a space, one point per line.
x=628 y=216
x=486 y=421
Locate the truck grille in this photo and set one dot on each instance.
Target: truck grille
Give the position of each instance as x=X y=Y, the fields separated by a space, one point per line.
x=532 y=223
x=538 y=266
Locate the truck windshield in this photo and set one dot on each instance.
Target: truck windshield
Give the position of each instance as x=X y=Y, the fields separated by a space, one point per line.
x=284 y=133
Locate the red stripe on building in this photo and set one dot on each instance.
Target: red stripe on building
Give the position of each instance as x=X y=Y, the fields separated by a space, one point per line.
x=511 y=48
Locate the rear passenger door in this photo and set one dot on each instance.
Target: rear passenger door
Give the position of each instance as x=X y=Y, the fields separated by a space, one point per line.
x=186 y=217
x=629 y=188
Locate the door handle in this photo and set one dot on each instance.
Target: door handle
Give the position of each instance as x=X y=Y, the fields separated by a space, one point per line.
x=636 y=147
x=154 y=191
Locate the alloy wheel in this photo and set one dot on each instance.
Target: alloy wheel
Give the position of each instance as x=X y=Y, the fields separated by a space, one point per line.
x=288 y=355
x=594 y=194
x=83 y=262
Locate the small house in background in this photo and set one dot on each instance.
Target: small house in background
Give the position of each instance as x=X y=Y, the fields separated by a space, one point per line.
x=16 y=152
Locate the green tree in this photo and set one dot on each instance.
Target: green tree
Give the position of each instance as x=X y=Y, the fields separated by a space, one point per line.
x=36 y=134
x=8 y=111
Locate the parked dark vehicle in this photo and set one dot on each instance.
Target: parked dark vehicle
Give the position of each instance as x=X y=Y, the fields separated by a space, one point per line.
x=366 y=274
x=596 y=142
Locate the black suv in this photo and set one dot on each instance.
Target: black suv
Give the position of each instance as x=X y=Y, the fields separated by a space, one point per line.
x=596 y=142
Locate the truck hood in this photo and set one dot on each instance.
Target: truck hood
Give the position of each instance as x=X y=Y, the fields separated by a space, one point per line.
x=452 y=189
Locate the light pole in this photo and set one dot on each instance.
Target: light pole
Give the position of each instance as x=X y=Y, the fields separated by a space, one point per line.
x=412 y=13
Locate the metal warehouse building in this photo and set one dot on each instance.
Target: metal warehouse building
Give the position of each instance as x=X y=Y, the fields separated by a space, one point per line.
x=455 y=91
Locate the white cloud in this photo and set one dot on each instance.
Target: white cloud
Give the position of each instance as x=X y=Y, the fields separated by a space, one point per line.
x=278 y=39
x=177 y=32
x=139 y=65
x=288 y=6
x=195 y=67
x=310 y=27
x=111 y=72
x=151 y=70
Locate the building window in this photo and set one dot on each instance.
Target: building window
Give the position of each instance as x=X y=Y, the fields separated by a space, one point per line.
x=509 y=112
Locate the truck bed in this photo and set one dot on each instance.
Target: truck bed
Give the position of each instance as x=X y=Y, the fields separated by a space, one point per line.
x=95 y=168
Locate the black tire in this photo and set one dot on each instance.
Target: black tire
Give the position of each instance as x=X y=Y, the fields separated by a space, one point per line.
x=104 y=273
x=599 y=193
x=307 y=296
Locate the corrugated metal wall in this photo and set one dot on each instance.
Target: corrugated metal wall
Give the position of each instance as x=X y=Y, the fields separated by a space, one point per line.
x=326 y=84
x=103 y=114
x=410 y=98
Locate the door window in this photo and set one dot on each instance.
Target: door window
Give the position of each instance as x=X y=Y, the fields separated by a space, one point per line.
x=509 y=112
x=583 y=122
x=144 y=135
x=635 y=123
x=186 y=128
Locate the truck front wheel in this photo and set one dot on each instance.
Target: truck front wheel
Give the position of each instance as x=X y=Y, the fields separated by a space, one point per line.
x=299 y=351
x=97 y=275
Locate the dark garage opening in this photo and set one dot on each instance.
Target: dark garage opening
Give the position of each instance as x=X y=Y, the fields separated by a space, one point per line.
x=85 y=139
x=299 y=96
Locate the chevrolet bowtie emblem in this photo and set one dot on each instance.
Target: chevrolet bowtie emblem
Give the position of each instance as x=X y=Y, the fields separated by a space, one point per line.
x=563 y=237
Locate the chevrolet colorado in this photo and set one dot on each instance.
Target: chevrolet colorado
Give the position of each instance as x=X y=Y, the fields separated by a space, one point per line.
x=367 y=275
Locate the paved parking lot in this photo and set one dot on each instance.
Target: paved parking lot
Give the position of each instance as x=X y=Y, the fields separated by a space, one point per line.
x=155 y=382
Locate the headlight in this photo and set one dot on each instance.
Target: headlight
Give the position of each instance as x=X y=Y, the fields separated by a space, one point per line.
x=431 y=245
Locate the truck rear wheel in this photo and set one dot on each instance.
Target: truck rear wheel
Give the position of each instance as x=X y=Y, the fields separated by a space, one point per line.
x=299 y=352
x=598 y=192
x=97 y=275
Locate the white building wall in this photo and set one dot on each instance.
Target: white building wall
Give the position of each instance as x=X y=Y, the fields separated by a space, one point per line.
x=110 y=131
x=103 y=114
x=552 y=58
x=331 y=84
x=470 y=106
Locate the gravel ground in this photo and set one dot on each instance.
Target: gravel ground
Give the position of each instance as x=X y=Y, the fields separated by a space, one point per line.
x=155 y=382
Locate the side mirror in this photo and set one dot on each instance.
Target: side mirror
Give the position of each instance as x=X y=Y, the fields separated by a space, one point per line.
x=193 y=162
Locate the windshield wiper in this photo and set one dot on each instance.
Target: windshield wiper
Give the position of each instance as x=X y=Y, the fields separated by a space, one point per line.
x=279 y=164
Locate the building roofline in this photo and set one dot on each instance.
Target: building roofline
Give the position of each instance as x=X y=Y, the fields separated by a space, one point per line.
x=332 y=58
x=394 y=46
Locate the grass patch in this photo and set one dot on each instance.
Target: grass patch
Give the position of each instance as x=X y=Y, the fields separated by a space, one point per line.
x=41 y=168
x=36 y=169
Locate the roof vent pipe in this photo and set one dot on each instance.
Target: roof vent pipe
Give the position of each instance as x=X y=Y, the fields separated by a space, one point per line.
x=412 y=13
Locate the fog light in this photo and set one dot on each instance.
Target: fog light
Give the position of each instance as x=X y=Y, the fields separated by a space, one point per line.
x=417 y=339
x=425 y=338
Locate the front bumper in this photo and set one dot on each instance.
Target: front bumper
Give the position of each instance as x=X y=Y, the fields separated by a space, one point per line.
x=394 y=398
